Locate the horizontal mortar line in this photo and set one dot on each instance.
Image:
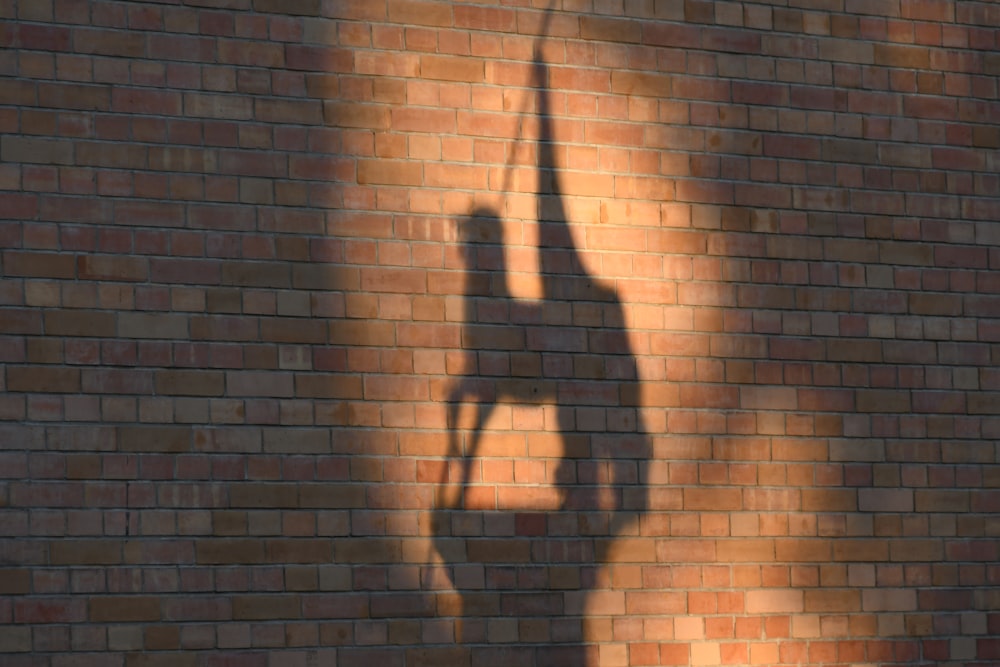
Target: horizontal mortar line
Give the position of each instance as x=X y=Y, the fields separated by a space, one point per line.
x=643 y=21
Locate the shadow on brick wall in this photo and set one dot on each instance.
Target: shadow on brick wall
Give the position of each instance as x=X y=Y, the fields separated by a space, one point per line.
x=526 y=557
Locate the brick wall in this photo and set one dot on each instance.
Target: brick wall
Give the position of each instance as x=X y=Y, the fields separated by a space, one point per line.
x=419 y=333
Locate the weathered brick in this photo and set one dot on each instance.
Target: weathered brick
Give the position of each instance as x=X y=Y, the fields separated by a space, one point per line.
x=190 y=383
x=39 y=264
x=78 y=552
x=390 y=172
x=36 y=150
x=43 y=379
x=129 y=609
x=54 y=610
x=173 y=439
x=80 y=323
x=264 y=607
x=451 y=68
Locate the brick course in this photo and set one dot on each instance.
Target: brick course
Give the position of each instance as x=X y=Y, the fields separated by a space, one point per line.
x=715 y=278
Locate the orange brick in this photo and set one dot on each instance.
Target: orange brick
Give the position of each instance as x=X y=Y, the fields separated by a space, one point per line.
x=389 y=172
x=452 y=68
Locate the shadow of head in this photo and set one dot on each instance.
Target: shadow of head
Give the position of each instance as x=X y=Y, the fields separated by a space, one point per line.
x=481 y=226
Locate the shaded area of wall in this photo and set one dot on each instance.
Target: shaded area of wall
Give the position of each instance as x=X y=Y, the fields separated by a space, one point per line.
x=170 y=476
x=235 y=306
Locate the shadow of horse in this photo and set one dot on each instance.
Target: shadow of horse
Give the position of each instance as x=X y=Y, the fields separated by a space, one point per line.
x=533 y=550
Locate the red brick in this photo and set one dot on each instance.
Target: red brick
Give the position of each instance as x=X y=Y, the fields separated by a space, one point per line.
x=124 y=100
x=39 y=264
x=420 y=12
x=124 y=609
x=154 y=439
x=79 y=552
x=649 y=602
x=80 y=323
x=483 y=18
x=305 y=112
x=610 y=29
x=35 y=150
x=97 y=267
x=43 y=379
x=390 y=172
x=57 y=610
x=452 y=68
